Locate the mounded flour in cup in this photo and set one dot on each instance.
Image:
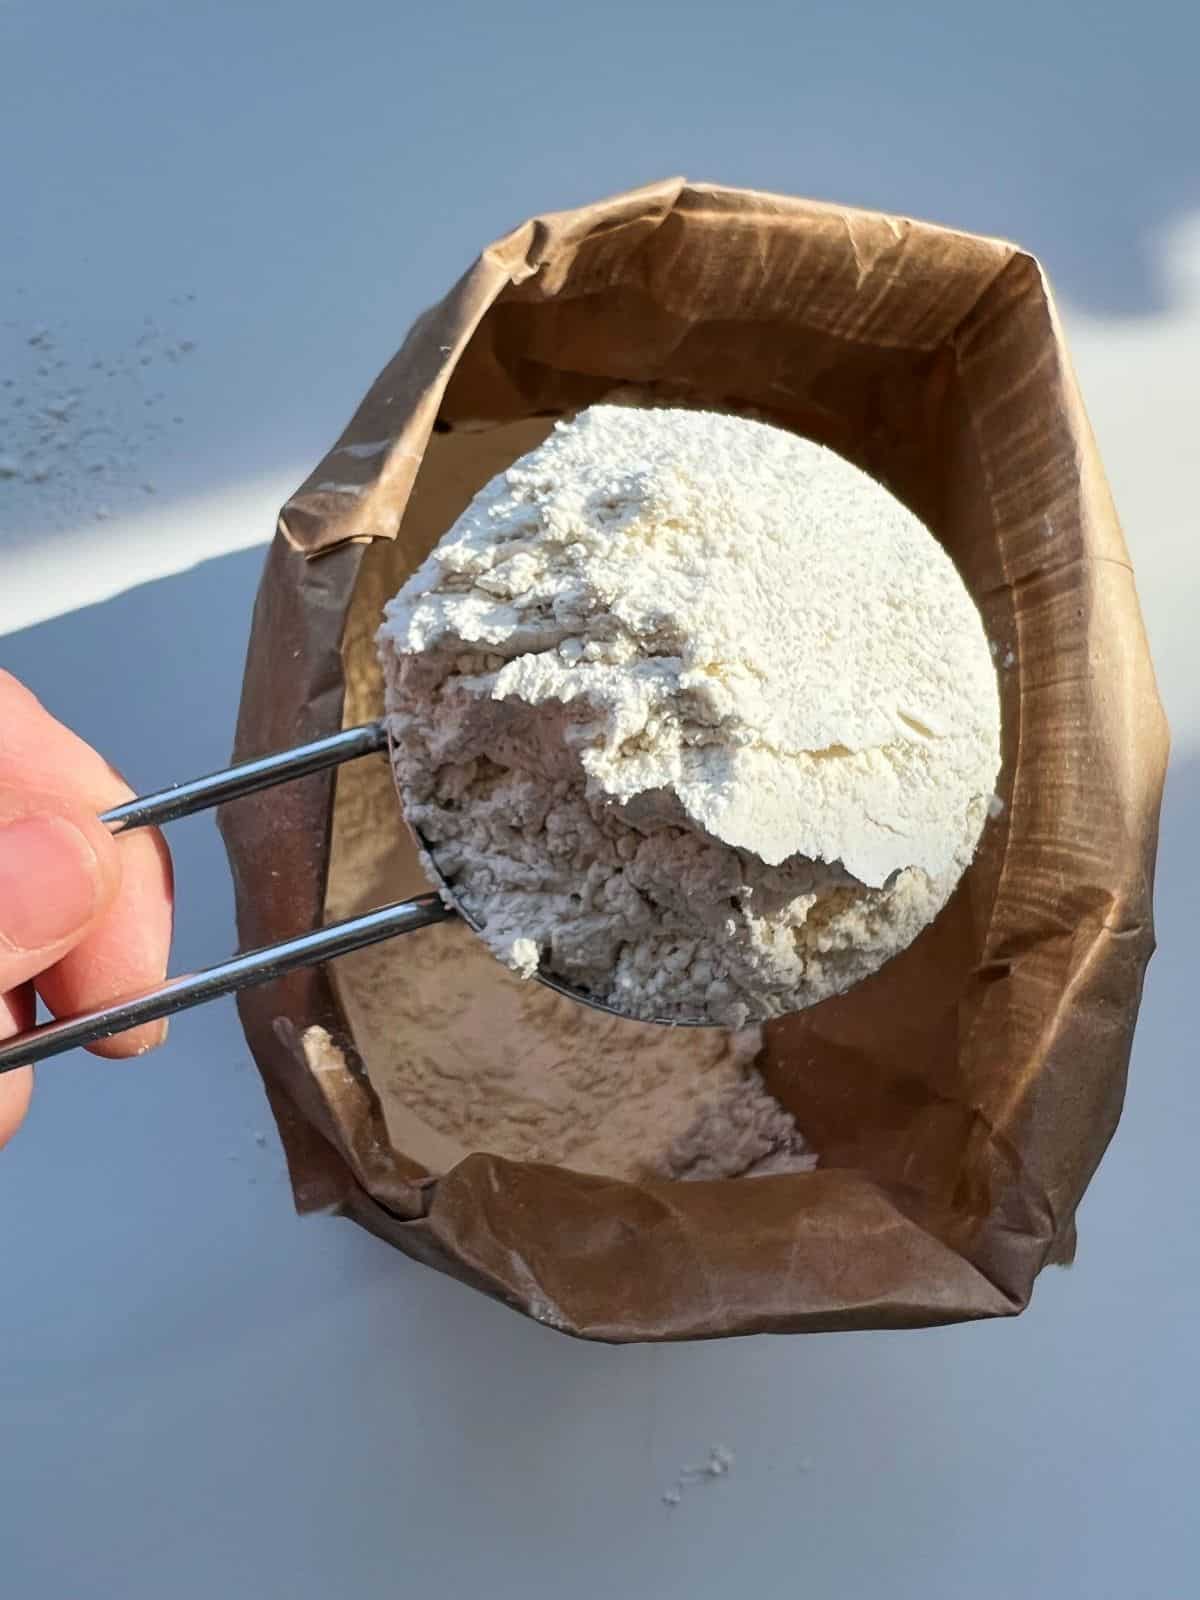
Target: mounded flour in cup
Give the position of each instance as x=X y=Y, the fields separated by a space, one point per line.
x=693 y=714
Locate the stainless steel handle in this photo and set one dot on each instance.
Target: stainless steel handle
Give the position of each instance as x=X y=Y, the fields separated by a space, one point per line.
x=248 y=777
x=239 y=972
x=255 y=966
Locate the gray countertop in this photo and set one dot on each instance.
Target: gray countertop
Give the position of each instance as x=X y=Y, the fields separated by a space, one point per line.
x=203 y=1396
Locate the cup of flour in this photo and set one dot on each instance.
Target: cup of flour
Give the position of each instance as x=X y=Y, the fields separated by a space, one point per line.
x=693 y=716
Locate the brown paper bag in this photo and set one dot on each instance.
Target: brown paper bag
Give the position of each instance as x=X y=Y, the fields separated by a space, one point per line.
x=961 y=1098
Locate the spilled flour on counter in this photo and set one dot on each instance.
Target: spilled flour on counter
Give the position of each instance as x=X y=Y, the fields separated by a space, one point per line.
x=693 y=715
x=83 y=422
x=718 y=1465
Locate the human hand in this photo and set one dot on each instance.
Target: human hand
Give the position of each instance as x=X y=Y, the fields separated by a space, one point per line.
x=84 y=918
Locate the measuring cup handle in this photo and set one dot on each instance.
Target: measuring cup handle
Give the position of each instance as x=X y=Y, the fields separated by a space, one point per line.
x=239 y=972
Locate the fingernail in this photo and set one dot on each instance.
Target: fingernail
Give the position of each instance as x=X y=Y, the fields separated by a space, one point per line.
x=49 y=882
x=158 y=1036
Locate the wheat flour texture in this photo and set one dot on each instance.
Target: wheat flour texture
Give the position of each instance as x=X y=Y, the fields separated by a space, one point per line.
x=693 y=714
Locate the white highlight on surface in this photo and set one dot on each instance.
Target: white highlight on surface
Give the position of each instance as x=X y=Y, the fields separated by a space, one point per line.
x=95 y=562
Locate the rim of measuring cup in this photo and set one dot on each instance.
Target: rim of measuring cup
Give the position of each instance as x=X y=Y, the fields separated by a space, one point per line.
x=433 y=872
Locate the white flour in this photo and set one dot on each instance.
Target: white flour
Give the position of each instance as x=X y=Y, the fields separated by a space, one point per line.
x=694 y=714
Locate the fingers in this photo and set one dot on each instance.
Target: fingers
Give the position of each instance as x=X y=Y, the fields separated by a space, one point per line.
x=59 y=874
x=126 y=952
x=123 y=947
x=16 y=1013
x=15 y=1090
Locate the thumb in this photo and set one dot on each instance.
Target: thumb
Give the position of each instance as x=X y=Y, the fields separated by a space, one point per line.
x=59 y=869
